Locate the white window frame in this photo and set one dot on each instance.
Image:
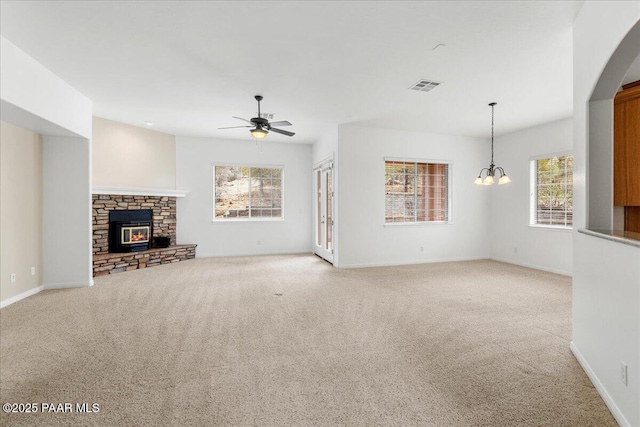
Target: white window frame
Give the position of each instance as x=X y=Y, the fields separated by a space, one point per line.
x=247 y=219
x=533 y=191
x=449 y=221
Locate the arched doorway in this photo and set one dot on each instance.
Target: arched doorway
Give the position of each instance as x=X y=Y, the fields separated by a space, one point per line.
x=601 y=212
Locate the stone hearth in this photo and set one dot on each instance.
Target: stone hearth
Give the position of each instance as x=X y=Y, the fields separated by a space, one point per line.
x=115 y=263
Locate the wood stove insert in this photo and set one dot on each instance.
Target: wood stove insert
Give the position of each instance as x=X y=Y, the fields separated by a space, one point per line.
x=130 y=230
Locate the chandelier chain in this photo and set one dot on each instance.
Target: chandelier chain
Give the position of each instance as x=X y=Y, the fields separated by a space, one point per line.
x=492 y=107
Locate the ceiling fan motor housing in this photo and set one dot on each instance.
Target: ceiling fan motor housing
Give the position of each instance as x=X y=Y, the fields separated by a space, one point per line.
x=260 y=121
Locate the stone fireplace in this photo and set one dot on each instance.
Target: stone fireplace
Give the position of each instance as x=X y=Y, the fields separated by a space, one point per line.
x=162 y=209
x=123 y=230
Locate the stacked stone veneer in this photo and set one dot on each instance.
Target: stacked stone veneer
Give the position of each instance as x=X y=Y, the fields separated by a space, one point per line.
x=164 y=216
x=164 y=224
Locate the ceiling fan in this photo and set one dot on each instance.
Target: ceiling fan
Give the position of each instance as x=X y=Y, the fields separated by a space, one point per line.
x=262 y=126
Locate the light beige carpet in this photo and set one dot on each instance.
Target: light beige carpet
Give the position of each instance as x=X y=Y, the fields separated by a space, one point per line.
x=291 y=341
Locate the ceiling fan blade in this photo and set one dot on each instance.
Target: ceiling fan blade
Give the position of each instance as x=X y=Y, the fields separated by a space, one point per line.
x=284 y=132
x=235 y=127
x=282 y=123
x=240 y=118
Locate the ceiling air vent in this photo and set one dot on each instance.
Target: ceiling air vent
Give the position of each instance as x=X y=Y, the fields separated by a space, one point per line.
x=425 y=85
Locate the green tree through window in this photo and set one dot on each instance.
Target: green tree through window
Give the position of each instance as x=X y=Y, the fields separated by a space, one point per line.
x=247 y=192
x=552 y=191
x=416 y=192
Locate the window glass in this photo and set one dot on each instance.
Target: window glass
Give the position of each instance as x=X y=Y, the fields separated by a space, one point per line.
x=416 y=192
x=552 y=191
x=247 y=192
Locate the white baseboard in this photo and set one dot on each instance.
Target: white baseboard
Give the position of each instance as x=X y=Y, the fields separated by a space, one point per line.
x=418 y=261
x=535 y=267
x=66 y=285
x=18 y=297
x=200 y=255
x=613 y=408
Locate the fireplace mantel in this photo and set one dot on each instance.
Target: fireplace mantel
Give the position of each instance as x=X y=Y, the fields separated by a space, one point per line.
x=130 y=191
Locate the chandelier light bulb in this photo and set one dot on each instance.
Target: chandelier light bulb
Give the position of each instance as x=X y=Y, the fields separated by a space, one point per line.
x=504 y=179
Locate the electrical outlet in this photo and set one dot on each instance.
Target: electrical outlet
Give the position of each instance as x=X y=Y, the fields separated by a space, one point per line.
x=259 y=242
x=13 y=277
x=515 y=250
x=421 y=248
x=33 y=271
x=623 y=372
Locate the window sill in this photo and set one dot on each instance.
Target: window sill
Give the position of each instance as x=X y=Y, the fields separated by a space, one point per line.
x=417 y=224
x=247 y=220
x=551 y=227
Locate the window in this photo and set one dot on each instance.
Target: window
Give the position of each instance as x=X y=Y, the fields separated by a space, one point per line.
x=416 y=192
x=552 y=191
x=247 y=192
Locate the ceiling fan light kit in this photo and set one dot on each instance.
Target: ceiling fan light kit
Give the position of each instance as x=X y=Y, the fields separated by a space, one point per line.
x=261 y=126
x=490 y=172
x=258 y=132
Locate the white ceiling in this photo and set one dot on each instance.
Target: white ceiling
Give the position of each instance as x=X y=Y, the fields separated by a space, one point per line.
x=189 y=66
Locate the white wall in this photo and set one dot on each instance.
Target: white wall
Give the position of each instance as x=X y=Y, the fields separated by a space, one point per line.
x=67 y=244
x=326 y=146
x=132 y=156
x=607 y=275
x=600 y=188
x=366 y=241
x=36 y=99
x=633 y=74
x=537 y=247
x=194 y=172
x=26 y=84
x=20 y=211
x=606 y=305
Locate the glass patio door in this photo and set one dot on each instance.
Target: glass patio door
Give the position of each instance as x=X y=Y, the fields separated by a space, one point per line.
x=323 y=210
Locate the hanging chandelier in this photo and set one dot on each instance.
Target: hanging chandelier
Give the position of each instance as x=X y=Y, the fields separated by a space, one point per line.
x=490 y=172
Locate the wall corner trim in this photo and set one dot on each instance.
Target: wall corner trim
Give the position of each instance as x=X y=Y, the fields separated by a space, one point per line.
x=615 y=411
x=21 y=296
